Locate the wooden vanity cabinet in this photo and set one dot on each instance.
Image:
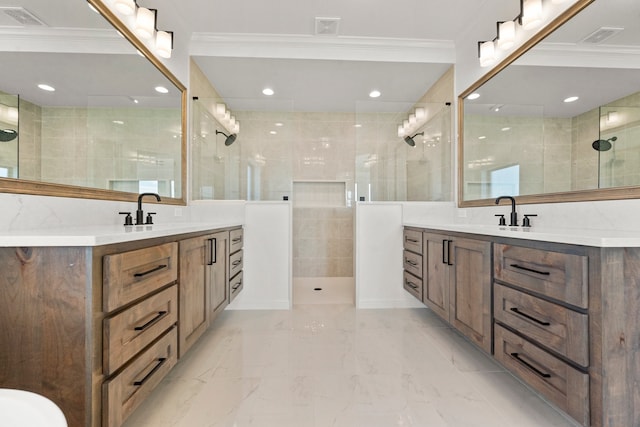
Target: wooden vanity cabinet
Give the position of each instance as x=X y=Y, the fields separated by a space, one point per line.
x=95 y=329
x=456 y=283
x=236 y=263
x=412 y=261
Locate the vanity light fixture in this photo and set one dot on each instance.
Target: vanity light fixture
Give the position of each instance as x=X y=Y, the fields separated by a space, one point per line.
x=486 y=52
x=125 y=7
x=530 y=13
x=164 y=43
x=224 y=117
x=506 y=34
x=145 y=24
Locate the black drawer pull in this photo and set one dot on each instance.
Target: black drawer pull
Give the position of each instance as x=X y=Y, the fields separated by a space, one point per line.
x=235 y=288
x=411 y=262
x=236 y=240
x=540 y=322
x=236 y=262
x=412 y=285
x=144 y=273
x=407 y=239
x=213 y=251
x=150 y=322
x=150 y=374
x=544 y=273
x=530 y=366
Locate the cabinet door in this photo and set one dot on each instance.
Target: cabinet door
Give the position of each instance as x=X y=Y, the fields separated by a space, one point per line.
x=195 y=256
x=436 y=280
x=470 y=290
x=219 y=295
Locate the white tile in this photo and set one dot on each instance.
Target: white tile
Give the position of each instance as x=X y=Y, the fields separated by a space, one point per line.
x=335 y=366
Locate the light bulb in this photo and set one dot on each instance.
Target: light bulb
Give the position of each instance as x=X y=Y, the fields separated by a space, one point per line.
x=506 y=34
x=125 y=7
x=487 y=53
x=145 y=23
x=531 y=13
x=164 y=44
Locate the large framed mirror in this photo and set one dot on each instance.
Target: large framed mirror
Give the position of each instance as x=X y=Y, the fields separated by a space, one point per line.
x=523 y=133
x=105 y=129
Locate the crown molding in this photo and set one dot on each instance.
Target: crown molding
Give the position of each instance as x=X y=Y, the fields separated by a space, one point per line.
x=323 y=47
x=65 y=40
x=581 y=55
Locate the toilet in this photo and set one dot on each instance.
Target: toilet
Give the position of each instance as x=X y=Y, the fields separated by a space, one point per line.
x=20 y=408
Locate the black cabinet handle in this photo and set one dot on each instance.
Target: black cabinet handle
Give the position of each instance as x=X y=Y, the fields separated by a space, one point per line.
x=150 y=322
x=411 y=262
x=544 y=273
x=407 y=239
x=153 y=270
x=236 y=240
x=237 y=286
x=213 y=251
x=530 y=366
x=540 y=322
x=449 y=242
x=236 y=262
x=445 y=251
x=412 y=285
x=150 y=374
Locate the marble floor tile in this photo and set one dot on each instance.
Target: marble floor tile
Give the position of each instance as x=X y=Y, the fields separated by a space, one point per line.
x=337 y=366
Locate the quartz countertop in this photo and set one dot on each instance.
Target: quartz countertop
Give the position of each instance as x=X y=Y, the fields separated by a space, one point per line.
x=101 y=235
x=585 y=237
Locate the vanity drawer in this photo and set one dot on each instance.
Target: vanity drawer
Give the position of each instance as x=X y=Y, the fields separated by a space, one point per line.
x=413 y=285
x=561 y=276
x=235 y=286
x=124 y=393
x=128 y=276
x=412 y=263
x=562 y=384
x=235 y=263
x=558 y=328
x=131 y=330
x=236 y=240
x=412 y=240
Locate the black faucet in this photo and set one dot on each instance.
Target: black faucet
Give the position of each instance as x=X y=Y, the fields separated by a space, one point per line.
x=139 y=213
x=514 y=214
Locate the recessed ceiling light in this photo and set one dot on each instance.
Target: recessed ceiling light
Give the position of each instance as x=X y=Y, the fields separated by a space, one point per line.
x=571 y=99
x=473 y=96
x=279 y=124
x=482 y=137
x=267 y=91
x=374 y=94
x=357 y=125
x=273 y=132
x=47 y=87
x=118 y=122
x=505 y=129
x=162 y=89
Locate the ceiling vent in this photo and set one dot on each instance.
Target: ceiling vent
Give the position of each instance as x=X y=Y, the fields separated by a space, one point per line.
x=327 y=26
x=601 y=34
x=22 y=16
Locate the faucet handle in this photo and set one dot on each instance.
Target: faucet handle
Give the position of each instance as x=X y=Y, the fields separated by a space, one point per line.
x=502 y=221
x=526 y=222
x=128 y=220
x=149 y=218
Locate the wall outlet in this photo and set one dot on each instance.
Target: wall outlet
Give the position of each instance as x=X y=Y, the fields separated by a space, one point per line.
x=177 y=212
x=462 y=213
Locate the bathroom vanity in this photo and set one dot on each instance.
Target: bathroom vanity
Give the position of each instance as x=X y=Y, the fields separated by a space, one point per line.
x=95 y=318
x=563 y=309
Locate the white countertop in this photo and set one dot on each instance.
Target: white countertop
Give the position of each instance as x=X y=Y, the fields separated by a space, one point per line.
x=101 y=235
x=585 y=237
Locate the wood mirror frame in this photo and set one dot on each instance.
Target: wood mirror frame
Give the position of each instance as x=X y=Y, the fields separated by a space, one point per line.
x=19 y=186
x=631 y=192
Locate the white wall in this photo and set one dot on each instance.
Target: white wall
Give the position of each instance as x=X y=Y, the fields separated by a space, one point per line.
x=267 y=257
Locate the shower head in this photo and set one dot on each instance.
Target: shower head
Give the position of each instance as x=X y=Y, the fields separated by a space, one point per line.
x=409 y=139
x=7 y=135
x=230 y=138
x=604 y=144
